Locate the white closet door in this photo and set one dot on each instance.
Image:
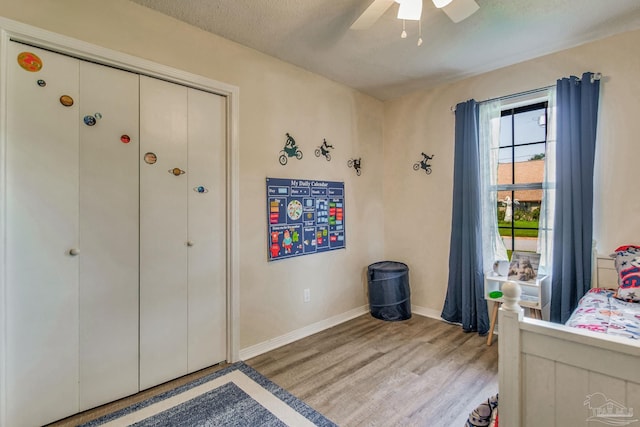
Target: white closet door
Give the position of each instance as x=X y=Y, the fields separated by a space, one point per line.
x=207 y=232
x=108 y=234
x=163 y=231
x=42 y=217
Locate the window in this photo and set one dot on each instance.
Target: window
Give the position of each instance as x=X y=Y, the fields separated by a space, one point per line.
x=521 y=175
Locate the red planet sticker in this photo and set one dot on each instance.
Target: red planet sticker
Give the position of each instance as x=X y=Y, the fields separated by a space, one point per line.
x=30 y=61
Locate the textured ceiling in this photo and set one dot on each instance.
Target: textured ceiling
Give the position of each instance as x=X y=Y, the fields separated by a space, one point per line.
x=315 y=35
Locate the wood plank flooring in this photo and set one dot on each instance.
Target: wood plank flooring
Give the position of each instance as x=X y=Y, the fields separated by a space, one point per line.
x=92 y=414
x=368 y=372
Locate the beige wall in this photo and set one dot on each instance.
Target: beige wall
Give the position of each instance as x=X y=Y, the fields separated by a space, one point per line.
x=418 y=207
x=392 y=212
x=275 y=98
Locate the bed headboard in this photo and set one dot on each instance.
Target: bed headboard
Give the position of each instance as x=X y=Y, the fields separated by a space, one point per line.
x=604 y=274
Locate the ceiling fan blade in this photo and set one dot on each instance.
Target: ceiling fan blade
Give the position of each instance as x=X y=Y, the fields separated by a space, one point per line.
x=371 y=14
x=459 y=10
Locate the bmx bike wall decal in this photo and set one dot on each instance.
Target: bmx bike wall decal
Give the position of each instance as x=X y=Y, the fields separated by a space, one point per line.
x=424 y=164
x=290 y=150
x=323 y=149
x=356 y=164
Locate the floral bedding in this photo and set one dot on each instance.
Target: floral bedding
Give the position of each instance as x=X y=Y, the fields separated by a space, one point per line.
x=600 y=311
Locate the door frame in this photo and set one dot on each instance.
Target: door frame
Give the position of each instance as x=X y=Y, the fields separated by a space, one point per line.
x=12 y=30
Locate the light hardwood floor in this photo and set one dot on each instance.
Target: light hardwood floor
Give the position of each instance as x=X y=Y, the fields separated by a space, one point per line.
x=92 y=414
x=368 y=372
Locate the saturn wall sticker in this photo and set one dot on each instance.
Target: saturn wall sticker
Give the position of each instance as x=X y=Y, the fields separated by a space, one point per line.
x=200 y=189
x=177 y=171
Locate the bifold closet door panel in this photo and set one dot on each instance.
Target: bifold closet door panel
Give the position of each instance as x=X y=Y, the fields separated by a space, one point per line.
x=42 y=216
x=108 y=234
x=163 y=231
x=207 y=231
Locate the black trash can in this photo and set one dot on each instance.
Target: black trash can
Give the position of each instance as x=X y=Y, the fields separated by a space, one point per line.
x=389 y=293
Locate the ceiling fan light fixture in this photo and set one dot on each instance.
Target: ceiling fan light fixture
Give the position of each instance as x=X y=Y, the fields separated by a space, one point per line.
x=410 y=10
x=441 y=3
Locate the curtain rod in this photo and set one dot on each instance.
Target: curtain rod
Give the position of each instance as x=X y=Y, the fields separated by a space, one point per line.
x=594 y=77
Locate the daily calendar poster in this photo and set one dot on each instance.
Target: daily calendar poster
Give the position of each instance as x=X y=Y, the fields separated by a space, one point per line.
x=305 y=216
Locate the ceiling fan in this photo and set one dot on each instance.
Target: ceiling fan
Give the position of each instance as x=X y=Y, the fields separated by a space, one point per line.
x=457 y=10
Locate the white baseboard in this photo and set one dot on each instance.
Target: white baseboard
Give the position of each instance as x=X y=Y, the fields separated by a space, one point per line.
x=426 y=312
x=272 y=344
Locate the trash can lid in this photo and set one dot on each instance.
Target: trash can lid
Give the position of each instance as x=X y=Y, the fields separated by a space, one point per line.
x=389 y=266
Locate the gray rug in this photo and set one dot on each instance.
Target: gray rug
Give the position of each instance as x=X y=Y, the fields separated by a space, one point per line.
x=226 y=404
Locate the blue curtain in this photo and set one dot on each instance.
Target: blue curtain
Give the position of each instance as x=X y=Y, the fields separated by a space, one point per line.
x=577 y=114
x=465 y=302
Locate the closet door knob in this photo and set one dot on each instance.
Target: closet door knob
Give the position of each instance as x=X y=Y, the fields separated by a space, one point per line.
x=190 y=243
x=74 y=251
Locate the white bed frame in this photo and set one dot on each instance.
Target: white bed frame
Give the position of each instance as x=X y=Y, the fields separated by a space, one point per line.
x=554 y=375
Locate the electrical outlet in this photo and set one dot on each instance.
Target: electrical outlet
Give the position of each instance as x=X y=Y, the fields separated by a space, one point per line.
x=306 y=295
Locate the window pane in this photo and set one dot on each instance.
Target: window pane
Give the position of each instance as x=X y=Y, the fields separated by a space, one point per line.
x=526 y=210
x=521 y=171
x=518 y=218
x=521 y=167
x=526 y=244
x=529 y=163
x=525 y=153
x=529 y=126
x=505 y=171
x=505 y=131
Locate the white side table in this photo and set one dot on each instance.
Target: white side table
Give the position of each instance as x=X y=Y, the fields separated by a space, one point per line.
x=535 y=296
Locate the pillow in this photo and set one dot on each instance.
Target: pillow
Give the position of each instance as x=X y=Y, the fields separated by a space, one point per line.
x=627 y=261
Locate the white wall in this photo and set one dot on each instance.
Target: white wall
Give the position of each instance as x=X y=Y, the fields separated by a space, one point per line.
x=275 y=98
x=418 y=207
x=392 y=212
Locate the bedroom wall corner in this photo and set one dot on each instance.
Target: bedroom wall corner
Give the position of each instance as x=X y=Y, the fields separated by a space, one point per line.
x=275 y=98
x=418 y=207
